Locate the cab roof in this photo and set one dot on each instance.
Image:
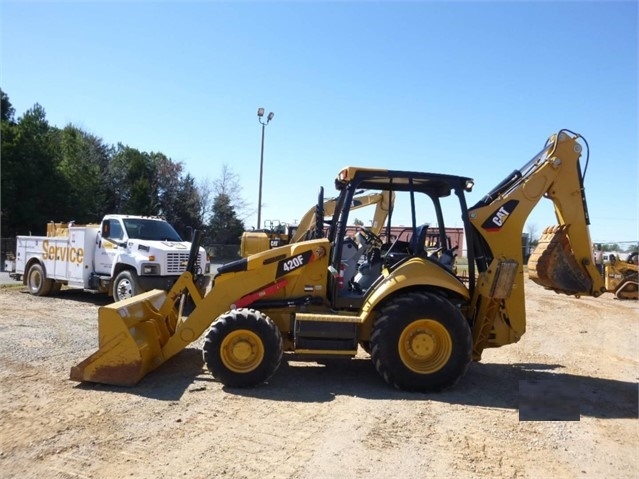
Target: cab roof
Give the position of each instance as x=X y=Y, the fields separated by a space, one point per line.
x=435 y=184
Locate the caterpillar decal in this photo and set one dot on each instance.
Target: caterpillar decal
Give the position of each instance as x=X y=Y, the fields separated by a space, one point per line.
x=500 y=216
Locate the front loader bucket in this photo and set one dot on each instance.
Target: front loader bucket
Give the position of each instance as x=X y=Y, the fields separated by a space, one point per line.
x=131 y=336
x=553 y=264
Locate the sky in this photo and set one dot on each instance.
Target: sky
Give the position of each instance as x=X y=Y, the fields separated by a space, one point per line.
x=468 y=88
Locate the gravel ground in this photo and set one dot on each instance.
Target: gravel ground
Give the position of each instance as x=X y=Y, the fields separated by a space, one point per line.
x=578 y=364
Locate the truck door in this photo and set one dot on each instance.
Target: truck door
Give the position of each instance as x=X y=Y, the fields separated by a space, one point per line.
x=110 y=236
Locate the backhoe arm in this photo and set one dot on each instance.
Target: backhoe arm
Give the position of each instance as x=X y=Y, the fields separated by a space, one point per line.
x=563 y=262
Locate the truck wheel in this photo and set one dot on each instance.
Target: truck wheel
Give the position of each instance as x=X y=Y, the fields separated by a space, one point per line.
x=37 y=281
x=421 y=342
x=243 y=348
x=126 y=285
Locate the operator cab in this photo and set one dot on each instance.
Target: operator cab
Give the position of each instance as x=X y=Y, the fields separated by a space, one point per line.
x=360 y=256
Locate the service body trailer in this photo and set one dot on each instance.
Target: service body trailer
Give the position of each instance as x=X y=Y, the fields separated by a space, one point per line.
x=123 y=256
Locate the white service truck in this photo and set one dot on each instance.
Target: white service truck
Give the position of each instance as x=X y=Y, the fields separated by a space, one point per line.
x=123 y=256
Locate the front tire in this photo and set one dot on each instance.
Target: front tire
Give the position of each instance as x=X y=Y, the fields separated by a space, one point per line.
x=243 y=348
x=421 y=342
x=126 y=285
x=37 y=281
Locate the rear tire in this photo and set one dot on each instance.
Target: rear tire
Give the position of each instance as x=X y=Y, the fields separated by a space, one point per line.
x=421 y=342
x=126 y=285
x=37 y=281
x=243 y=348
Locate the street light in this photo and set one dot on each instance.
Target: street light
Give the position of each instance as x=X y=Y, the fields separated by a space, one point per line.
x=260 y=115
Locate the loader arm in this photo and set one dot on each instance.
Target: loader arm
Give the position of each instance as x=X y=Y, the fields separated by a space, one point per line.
x=139 y=334
x=563 y=261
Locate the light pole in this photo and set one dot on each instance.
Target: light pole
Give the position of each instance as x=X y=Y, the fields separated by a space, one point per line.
x=260 y=115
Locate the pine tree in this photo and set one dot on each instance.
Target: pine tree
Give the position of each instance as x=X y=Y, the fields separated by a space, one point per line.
x=224 y=227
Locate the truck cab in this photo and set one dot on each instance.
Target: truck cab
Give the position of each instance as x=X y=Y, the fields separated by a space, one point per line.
x=140 y=253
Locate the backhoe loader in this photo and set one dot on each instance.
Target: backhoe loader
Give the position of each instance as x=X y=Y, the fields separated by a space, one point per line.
x=622 y=277
x=421 y=324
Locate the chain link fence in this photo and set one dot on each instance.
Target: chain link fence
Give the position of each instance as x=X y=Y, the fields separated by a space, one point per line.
x=222 y=253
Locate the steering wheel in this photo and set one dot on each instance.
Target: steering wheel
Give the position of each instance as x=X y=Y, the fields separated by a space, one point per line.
x=319 y=215
x=371 y=238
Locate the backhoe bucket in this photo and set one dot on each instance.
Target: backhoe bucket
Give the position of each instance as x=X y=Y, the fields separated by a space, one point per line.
x=131 y=336
x=553 y=264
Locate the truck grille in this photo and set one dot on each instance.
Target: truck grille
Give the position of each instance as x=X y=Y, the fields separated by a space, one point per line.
x=176 y=262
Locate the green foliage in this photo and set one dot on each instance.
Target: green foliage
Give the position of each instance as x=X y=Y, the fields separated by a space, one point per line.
x=31 y=184
x=224 y=226
x=189 y=207
x=6 y=110
x=358 y=222
x=83 y=164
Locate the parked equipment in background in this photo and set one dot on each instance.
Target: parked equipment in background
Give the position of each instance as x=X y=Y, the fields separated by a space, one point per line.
x=123 y=256
x=277 y=234
x=420 y=322
x=621 y=277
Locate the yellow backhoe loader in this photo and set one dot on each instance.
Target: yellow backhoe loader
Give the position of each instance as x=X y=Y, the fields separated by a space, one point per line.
x=621 y=277
x=421 y=323
x=276 y=234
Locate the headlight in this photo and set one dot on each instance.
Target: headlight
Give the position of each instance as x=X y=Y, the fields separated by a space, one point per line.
x=150 y=268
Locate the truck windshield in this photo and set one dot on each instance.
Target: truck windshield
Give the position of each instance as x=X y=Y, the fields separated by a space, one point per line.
x=152 y=230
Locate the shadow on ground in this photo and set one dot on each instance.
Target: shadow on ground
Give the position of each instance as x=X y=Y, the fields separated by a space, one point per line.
x=79 y=296
x=484 y=385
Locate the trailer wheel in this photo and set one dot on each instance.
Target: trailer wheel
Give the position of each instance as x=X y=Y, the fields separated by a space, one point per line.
x=421 y=342
x=37 y=281
x=126 y=285
x=243 y=348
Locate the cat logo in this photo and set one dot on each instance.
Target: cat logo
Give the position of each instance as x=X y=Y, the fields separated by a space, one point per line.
x=500 y=216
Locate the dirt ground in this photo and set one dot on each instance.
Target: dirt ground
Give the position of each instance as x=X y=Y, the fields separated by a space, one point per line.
x=579 y=358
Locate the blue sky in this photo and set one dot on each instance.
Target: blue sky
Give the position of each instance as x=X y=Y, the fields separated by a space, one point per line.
x=467 y=88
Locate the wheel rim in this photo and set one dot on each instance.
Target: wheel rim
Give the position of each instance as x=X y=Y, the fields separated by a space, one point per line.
x=35 y=280
x=242 y=351
x=425 y=346
x=124 y=289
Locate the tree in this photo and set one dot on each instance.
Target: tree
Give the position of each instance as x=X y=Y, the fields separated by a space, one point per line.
x=132 y=183
x=189 y=207
x=9 y=167
x=224 y=227
x=83 y=164
x=205 y=190
x=531 y=229
x=32 y=187
x=358 y=222
x=168 y=179
x=228 y=184
x=6 y=110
